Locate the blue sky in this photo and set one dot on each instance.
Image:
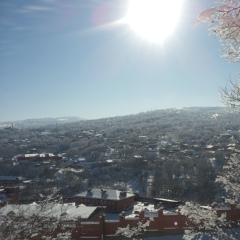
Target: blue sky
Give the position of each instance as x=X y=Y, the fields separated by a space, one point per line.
x=73 y=58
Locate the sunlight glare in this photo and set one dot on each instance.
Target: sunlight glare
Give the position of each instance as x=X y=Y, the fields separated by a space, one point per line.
x=154 y=20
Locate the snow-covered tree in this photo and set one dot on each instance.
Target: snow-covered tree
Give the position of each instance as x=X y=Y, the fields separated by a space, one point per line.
x=230 y=94
x=224 y=23
x=134 y=232
x=206 y=221
x=230 y=179
x=34 y=221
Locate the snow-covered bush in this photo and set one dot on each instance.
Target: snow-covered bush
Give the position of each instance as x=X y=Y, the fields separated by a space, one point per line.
x=134 y=232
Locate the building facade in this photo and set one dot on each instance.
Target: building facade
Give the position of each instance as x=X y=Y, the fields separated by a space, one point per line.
x=114 y=201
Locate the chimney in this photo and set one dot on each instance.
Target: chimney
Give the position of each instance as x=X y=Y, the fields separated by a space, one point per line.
x=123 y=194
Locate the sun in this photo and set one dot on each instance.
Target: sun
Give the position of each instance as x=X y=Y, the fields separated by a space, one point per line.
x=154 y=20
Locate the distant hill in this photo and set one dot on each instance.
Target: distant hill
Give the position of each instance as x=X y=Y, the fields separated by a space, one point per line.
x=38 y=122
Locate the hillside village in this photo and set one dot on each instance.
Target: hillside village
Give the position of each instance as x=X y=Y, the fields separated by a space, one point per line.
x=159 y=159
x=161 y=153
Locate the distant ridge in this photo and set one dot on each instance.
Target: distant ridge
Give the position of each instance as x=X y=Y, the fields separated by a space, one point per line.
x=38 y=122
x=41 y=122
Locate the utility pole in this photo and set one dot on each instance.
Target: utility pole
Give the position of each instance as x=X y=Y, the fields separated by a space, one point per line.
x=102 y=191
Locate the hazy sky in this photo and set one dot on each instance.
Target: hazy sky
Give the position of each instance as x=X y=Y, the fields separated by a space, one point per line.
x=75 y=58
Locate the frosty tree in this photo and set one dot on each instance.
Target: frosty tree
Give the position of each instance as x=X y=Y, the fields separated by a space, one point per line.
x=134 y=232
x=206 y=220
x=230 y=179
x=34 y=221
x=203 y=221
x=224 y=23
x=230 y=95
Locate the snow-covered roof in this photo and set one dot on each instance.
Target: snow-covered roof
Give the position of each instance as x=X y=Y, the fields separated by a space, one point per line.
x=109 y=161
x=34 y=155
x=209 y=146
x=167 y=200
x=59 y=211
x=28 y=155
x=11 y=178
x=108 y=194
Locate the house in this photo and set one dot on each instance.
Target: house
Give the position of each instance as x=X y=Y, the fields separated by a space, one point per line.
x=169 y=203
x=88 y=223
x=67 y=212
x=50 y=218
x=113 y=200
x=143 y=138
x=211 y=148
x=10 y=194
x=36 y=157
x=11 y=180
